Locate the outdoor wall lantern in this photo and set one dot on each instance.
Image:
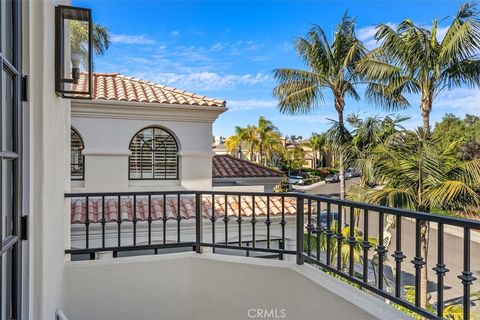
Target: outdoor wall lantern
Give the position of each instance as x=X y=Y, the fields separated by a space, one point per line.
x=73 y=52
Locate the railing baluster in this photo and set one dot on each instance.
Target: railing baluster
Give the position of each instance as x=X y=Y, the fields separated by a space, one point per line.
x=119 y=224
x=149 y=219
x=329 y=234
x=352 y=241
x=179 y=217
x=365 y=245
x=87 y=223
x=466 y=276
x=398 y=256
x=164 y=218
x=283 y=222
x=268 y=222
x=198 y=222
x=134 y=220
x=418 y=262
x=213 y=219
x=300 y=228
x=440 y=269
x=309 y=228
x=239 y=220
x=339 y=237
x=226 y=219
x=253 y=221
x=319 y=229
x=381 y=251
x=103 y=221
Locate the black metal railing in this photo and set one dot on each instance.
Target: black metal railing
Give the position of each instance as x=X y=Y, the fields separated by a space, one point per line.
x=334 y=235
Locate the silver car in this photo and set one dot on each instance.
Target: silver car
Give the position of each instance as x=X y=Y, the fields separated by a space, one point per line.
x=296 y=180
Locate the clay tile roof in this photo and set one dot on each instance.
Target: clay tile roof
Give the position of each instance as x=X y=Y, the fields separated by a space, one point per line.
x=227 y=166
x=187 y=208
x=117 y=87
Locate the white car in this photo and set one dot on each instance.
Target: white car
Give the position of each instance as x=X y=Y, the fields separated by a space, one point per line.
x=296 y=180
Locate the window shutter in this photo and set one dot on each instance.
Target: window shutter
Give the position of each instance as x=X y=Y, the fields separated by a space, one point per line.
x=154 y=155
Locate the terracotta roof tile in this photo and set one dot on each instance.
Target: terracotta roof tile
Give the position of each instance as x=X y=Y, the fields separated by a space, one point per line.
x=227 y=166
x=117 y=87
x=187 y=208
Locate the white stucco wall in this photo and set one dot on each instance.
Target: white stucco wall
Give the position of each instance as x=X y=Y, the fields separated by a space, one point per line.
x=49 y=115
x=108 y=127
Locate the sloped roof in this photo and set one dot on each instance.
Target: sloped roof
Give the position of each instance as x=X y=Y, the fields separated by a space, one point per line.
x=187 y=208
x=227 y=166
x=117 y=87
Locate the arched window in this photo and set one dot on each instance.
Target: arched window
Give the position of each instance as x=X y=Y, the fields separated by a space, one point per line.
x=154 y=155
x=77 y=165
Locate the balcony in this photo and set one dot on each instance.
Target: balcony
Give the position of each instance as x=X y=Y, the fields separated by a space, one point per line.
x=155 y=250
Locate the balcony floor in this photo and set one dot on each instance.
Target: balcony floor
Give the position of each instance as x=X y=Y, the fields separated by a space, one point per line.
x=207 y=286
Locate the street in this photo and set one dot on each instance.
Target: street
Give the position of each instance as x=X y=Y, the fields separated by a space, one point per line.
x=453 y=251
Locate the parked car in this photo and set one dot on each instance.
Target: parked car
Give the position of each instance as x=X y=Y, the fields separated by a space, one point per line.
x=332 y=178
x=352 y=173
x=296 y=180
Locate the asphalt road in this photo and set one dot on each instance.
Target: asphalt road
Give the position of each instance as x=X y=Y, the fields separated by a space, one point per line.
x=333 y=189
x=453 y=252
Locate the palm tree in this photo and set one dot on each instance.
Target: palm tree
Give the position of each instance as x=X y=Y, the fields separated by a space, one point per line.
x=367 y=134
x=318 y=144
x=418 y=175
x=234 y=142
x=331 y=66
x=411 y=60
x=272 y=146
x=265 y=132
x=79 y=36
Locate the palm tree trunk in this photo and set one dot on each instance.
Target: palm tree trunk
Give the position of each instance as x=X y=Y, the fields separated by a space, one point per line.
x=426 y=108
x=339 y=105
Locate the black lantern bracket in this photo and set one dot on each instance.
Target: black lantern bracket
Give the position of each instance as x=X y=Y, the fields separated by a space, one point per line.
x=69 y=80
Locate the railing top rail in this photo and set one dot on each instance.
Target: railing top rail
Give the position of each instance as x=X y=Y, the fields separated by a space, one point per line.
x=459 y=222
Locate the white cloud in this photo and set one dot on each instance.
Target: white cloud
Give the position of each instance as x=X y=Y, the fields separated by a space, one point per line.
x=251 y=104
x=321 y=119
x=367 y=35
x=462 y=100
x=175 y=33
x=131 y=39
x=205 y=80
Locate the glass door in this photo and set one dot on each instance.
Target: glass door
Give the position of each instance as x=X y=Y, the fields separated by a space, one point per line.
x=10 y=162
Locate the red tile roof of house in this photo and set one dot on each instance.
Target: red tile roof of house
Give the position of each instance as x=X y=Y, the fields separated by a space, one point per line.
x=117 y=87
x=227 y=166
x=187 y=207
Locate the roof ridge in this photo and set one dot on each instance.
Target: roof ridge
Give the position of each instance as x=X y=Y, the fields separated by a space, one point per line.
x=136 y=91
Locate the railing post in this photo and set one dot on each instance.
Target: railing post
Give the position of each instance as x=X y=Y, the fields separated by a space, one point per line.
x=198 y=223
x=300 y=226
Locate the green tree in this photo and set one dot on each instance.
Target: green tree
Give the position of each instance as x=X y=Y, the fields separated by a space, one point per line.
x=366 y=135
x=411 y=60
x=418 y=175
x=330 y=66
x=467 y=130
x=294 y=158
x=318 y=144
x=266 y=133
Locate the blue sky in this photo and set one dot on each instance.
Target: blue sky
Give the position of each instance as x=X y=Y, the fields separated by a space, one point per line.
x=228 y=49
